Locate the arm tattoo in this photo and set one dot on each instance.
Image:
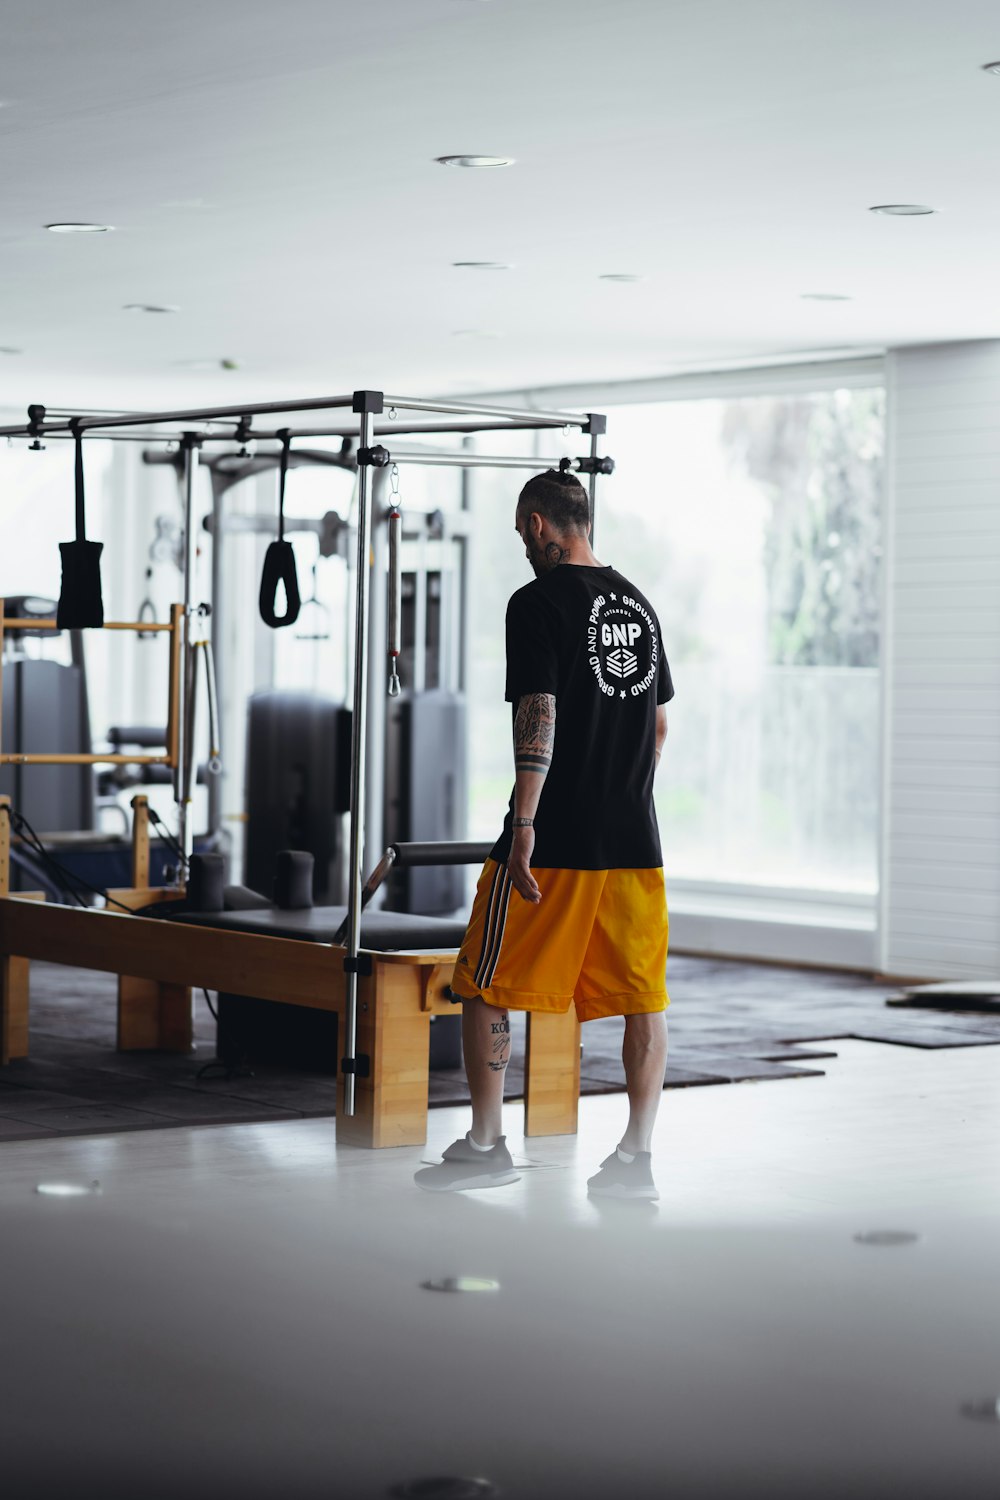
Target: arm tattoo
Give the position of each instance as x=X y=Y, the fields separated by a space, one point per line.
x=554 y=554
x=534 y=732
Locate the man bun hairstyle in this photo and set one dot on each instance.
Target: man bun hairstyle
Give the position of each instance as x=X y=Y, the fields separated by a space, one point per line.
x=560 y=498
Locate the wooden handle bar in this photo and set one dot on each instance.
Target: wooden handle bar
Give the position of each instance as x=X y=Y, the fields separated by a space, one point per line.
x=143 y=625
x=85 y=760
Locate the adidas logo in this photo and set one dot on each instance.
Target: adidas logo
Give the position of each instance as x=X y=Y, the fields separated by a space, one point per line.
x=622 y=663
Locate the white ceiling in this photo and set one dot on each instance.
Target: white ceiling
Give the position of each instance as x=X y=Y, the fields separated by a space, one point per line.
x=270 y=169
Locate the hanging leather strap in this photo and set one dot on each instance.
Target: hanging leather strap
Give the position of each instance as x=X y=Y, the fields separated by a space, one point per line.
x=286 y=445
x=81 y=523
x=80 y=606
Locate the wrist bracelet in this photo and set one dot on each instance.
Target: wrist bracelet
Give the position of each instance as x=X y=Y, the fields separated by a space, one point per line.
x=524 y=822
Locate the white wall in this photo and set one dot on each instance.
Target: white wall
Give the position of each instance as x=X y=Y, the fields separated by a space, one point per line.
x=940 y=879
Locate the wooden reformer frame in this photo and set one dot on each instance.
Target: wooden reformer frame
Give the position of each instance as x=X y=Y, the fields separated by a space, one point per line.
x=174 y=628
x=384 y=1000
x=158 y=963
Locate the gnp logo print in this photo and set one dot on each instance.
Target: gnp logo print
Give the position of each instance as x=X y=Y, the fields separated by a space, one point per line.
x=621 y=646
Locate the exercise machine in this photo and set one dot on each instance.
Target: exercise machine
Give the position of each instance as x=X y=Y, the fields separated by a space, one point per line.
x=125 y=943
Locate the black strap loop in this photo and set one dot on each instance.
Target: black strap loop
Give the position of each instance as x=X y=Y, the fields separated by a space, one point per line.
x=279 y=560
x=279 y=567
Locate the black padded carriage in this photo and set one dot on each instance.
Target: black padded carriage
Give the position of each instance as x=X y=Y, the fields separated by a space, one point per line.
x=381 y=931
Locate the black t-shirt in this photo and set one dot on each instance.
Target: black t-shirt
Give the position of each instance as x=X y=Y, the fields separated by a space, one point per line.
x=590 y=638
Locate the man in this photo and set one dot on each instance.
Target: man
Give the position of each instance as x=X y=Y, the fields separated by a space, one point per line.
x=570 y=907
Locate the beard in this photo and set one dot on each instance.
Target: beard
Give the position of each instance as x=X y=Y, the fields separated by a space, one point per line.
x=543 y=559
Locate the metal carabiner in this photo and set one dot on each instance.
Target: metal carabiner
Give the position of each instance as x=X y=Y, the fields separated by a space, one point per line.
x=146 y=615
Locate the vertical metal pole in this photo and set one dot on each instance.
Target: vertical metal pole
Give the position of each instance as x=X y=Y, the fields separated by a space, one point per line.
x=217 y=631
x=185 y=830
x=593 y=488
x=358 y=747
x=419 y=683
x=3 y=822
x=377 y=698
x=464 y=573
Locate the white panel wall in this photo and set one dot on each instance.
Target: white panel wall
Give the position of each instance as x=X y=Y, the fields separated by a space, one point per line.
x=940 y=901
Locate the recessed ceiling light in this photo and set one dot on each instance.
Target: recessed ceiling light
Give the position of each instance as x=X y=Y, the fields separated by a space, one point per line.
x=474 y=333
x=887 y=1237
x=68 y=1189
x=444 y=1487
x=462 y=1284
x=208 y=364
x=619 y=276
x=151 y=307
x=825 y=297
x=982 y=1411
x=80 y=228
x=902 y=210
x=481 y=265
x=475 y=161
x=993 y=67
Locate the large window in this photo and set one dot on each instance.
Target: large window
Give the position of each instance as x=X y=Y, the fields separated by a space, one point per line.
x=754 y=525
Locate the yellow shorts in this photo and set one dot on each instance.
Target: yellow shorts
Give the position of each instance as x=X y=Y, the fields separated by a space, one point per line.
x=597 y=939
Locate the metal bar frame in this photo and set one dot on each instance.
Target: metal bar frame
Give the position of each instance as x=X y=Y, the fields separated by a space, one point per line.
x=32 y=758
x=414 y=429
x=182 y=777
x=358 y=742
x=142 y=626
x=421 y=429
x=592 y=489
x=474 y=409
x=104 y=423
x=440 y=457
x=367 y=405
x=15 y=758
x=217 y=637
x=465 y=460
x=174 y=683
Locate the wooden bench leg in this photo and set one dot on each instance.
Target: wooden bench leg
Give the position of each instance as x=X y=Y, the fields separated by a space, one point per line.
x=153 y=1016
x=14 y=982
x=394 y=1034
x=552 y=1074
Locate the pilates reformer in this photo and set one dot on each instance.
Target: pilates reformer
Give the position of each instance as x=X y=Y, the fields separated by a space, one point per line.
x=283 y=954
x=384 y=999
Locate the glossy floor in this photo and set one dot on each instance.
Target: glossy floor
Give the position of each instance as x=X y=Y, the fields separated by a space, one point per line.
x=239 y=1311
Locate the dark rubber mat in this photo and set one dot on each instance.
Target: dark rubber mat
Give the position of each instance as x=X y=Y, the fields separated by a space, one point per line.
x=961 y=996
x=730 y=1022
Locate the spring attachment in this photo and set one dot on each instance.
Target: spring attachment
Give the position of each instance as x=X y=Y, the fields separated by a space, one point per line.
x=201 y=648
x=214 y=749
x=394 y=622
